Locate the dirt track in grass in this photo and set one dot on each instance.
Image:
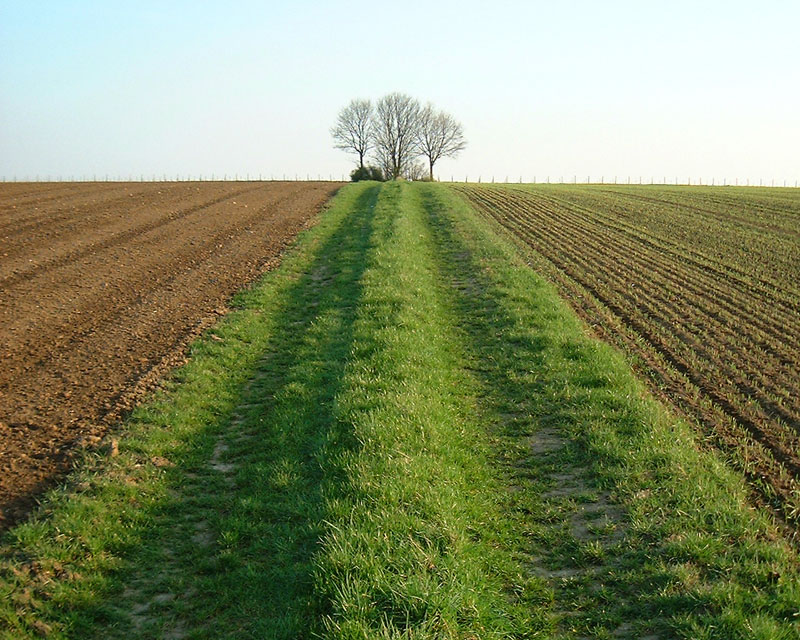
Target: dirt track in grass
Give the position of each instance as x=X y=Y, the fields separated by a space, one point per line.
x=102 y=285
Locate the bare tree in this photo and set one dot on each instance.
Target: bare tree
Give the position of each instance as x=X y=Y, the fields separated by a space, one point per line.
x=395 y=133
x=439 y=136
x=353 y=129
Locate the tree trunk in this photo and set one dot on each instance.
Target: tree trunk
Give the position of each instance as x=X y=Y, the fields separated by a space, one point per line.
x=431 y=163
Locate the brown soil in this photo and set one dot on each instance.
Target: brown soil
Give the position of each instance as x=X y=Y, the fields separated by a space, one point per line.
x=102 y=285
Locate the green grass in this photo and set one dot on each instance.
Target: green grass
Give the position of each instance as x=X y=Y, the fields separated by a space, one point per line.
x=402 y=432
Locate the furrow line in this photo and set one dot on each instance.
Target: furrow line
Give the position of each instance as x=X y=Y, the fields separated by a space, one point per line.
x=706 y=365
x=777 y=293
x=781 y=349
x=121 y=238
x=719 y=217
x=777 y=324
x=759 y=431
x=743 y=283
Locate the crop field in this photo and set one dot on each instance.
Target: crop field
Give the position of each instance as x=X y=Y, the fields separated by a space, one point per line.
x=701 y=287
x=401 y=430
x=101 y=287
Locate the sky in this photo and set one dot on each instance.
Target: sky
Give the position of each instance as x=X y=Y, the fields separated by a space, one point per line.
x=570 y=90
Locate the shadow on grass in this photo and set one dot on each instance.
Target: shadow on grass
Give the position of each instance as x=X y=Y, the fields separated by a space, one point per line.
x=232 y=553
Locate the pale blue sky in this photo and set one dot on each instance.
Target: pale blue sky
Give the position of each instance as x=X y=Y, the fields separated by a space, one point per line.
x=678 y=88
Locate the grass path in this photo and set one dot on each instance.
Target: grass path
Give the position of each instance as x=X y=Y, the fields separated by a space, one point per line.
x=400 y=433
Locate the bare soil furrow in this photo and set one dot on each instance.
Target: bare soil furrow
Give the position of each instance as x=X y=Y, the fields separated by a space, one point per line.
x=727 y=217
x=25 y=195
x=140 y=273
x=740 y=284
x=115 y=239
x=718 y=260
x=17 y=219
x=769 y=329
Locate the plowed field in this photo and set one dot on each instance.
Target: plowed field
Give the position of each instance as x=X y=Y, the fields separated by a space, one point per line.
x=701 y=287
x=102 y=286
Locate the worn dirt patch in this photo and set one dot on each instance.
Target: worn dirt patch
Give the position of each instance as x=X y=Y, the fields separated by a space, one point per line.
x=102 y=286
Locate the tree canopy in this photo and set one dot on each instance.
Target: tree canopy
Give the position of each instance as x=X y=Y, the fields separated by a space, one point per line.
x=397 y=132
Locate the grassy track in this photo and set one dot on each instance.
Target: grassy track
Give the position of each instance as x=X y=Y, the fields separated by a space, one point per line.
x=401 y=433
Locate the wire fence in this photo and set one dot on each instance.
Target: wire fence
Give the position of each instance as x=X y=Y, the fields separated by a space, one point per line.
x=179 y=177
x=480 y=179
x=637 y=180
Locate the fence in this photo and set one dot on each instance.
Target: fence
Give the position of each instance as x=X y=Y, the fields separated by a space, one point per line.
x=235 y=177
x=164 y=177
x=638 y=180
